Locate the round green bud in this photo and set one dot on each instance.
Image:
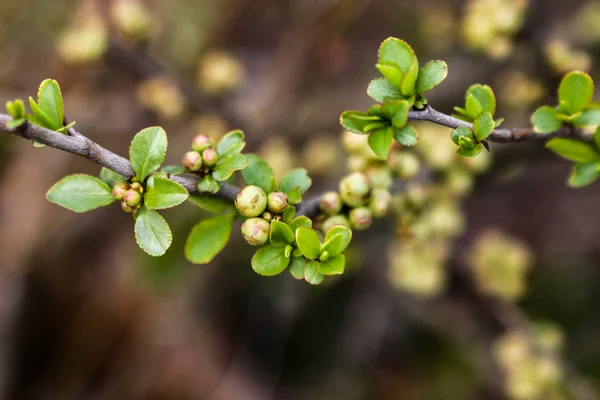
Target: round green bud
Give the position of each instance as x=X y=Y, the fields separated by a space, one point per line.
x=331 y=203
x=380 y=176
x=267 y=216
x=355 y=189
x=324 y=256
x=336 y=220
x=405 y=164
x=119 y=190
x=380 y=203
x=137 y=187
x=126 y=208
x=201 y=143
x=360 y=218
x=277 y=201
x=192 y=161
x=132 y=198
x=251 y=201
x=210 y=157
x=131 y=18
x=256 y=231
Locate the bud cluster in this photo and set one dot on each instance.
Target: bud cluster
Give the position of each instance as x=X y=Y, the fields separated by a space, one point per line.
x=261 y=209
x=130 y=195
x=202 y=156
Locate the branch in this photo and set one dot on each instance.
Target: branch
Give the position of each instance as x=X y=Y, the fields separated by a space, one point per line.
x=498 y=135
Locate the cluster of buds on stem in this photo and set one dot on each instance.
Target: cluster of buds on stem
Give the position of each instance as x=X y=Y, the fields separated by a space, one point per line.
x=130 y=195
x=261 y=209
x=202 y=157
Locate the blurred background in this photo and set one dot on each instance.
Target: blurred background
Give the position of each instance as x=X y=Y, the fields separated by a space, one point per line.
x=484 y=286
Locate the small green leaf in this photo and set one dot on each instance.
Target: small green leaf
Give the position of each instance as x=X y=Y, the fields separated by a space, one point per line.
x=147 y=151
x=281 y=234
x=470 y=152
x=357 y=122
x=208 y=184
x=397 y=111
x=597 y=138
x=338 y=231
x=16 y=109
x=270 y=261
x=208 y=238
x=152 y=232
x=258 y=173
x=296 y=178
x=484 y=96
x=483 y=126
x=398 y=52
x=226 y=166
x=431 y=75
x=308 y=243
x=406 y=136
x=289 y=213
x=583 y=174
x=51 y=102
x=80 y=193
x=174 y=169
x=575 y=92
x=380 y=89
x=573 y=150
x=410 y=79
x=231 y=143
x=163 y=193
x=294 y=196
x=312 y=274
x=333 y=266
x=301 y=221
x=15 y=123
x=590 y=118
x=110 y=177
x=498 y=122
x=40 y=117
x=545 y=120
x=297 y=267
x=461 y=131
x=211 y=204
x=473 y=106
x=381 y=142
x=392 y=73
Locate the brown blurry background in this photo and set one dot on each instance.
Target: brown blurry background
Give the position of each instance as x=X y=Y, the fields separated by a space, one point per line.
x=85 y=314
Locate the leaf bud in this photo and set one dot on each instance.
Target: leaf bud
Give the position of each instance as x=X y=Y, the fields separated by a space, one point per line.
x=360 y=218
x=137 y=187
x=201 y=143
x=324 y=256
x=380 y=203
x=192 y=161
x=256 y=231
x=210 y=157
x=132 y=198
x=251 y=201
x=267 y=216
x=119 y=190
x=336 y=220
x=126 y=208
x=355 y=189
x=331 y=203
x=277 y=201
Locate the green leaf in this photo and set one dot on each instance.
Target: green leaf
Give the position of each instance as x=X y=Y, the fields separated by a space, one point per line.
x=406 y=136
x=333 y=266
x=473 y=106
x=231 y=143
x=398 y=52
x=211 y=204
x=258 y=173
x=174 y=169
x=294 y=196
x=80 y=193
x=110 y=177
x=208 y=184
x=483 y=126
x=484 y=96
x=312 y=274
x=301 y=221
x=208 y=238
x=380 y=89
x=461 y=131
x=16 y=109
x=289 y=213
x=357 y=122
x=297 y=267
x=226 y=166
x=410 y=79
x=431 y=75
x=397 y=111
x=575 y=92
x=545 y=120
x=296 y=178
x=337 y=232
x=392 y=73
x=147 y=151
x=281 y=234
x=573 y=150
x=381 y=142
x=583 y=174
x=15 y=123
x=590 y=118
x=51 y=102
x=40 y=117
x=270 y=261
x=152 y=232
x=163 y=193
x=597 y=138
x=470 y=152
x=308 y=243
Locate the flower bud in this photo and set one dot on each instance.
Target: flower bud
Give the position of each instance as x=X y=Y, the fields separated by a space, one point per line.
x=256 y=231
x=251 y=201
x=336 y=220
x=132 y=198
x=201 y=143
x=267 y=216
x=405 y=164
x=192 y=161
x=331 y=203
x=126 y=208
x=278 y=201
x=360 y=218
x=131 y=18
x=355 y=189
x=380 y=203
x=210 y=157
x=380 y=176
x=119 y=190
x=137 y=187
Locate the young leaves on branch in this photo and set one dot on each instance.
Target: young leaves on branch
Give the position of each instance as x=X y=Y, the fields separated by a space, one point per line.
x=586 y=157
